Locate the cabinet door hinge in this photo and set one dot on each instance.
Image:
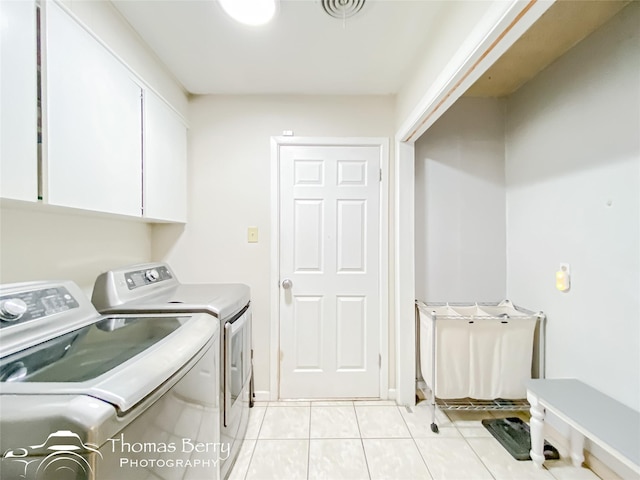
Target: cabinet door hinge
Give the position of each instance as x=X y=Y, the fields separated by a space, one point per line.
x=380 y=174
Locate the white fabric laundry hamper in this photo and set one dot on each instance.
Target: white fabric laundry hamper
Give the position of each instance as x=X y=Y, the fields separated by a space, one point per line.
x=481 y=351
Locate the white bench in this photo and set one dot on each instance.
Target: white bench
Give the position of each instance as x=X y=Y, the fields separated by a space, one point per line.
x=589 y=413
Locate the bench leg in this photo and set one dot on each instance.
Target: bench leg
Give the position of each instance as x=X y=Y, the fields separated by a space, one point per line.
x=536 y=427
x=577 y=448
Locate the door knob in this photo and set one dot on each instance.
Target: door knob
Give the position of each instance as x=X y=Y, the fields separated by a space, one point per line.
x=287 y=283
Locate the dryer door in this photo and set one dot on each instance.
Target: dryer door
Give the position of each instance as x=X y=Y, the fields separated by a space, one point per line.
x=237 y=362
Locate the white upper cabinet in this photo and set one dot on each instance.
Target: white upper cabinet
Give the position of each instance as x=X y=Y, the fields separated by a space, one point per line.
x=93 y=109
x=18 y=101
x=165 y=162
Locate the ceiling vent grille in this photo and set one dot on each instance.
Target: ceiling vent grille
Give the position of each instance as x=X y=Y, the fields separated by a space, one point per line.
x=342 y=9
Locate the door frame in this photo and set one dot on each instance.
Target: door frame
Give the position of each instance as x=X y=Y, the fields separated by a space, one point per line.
x=383 y=258
x=493 y=36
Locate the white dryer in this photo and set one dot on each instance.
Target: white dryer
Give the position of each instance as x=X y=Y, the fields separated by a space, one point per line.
x=86 y=396
x=154 y=288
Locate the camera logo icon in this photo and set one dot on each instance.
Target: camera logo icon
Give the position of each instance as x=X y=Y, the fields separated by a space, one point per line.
x=62 y=455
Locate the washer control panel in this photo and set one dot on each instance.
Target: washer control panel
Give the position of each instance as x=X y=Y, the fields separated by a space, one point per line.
x=21 y=307
x=147 y=276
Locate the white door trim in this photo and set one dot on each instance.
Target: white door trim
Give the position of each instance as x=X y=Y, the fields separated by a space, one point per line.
x=405 y=322
x=492 y=37
x=274 y=275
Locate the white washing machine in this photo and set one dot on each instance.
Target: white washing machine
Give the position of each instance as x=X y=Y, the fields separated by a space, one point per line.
x=86 y=396
x=154 y=288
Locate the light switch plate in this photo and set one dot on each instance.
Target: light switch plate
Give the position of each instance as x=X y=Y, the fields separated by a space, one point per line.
x=252 y=235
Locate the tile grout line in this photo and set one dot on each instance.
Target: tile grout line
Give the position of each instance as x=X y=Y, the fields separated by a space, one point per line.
x=246 y=474
x=471 y=446
x=364 y=451
x=366 y=460
x=255 y=445
x=309 y=442
x=424 y=460
x=355 y=412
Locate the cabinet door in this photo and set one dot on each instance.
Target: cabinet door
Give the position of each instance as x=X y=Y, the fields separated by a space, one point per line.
x=165 y=162
x=94 y=122
x=18 y=101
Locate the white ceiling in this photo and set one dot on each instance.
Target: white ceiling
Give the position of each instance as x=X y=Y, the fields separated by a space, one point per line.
x=303 y=51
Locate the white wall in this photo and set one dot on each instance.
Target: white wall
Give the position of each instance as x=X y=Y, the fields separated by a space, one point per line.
x=460 y=230
x=39 y=243
x=229 y=188
x=573 y=195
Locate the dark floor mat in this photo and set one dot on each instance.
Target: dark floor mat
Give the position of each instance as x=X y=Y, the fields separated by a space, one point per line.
x=513 y=434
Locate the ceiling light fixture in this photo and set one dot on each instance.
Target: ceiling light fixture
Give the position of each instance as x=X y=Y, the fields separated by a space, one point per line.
x=250 y=12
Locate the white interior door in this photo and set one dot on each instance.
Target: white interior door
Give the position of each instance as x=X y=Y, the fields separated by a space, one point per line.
x=329 y=271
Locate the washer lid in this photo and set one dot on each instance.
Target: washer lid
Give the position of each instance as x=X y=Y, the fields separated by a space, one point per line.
x=222 y=300
x=154 y=287
x=118 y=359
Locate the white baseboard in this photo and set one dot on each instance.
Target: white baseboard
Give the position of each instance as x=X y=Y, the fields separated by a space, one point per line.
x=265 y=395
x=598 y=466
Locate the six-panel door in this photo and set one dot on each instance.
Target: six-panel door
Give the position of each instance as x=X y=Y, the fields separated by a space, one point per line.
x=329 y=251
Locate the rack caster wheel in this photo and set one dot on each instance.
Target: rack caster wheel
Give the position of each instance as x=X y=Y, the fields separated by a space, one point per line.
x=434 y=428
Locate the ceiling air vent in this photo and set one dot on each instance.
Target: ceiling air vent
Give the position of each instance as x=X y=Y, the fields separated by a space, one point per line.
x=342 y=9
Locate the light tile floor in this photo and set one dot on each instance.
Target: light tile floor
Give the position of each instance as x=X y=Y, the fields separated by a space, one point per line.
x=380 y=441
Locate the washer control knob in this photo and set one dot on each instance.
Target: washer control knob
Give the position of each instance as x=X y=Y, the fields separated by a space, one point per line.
x=152 y=275
x=12 y=309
